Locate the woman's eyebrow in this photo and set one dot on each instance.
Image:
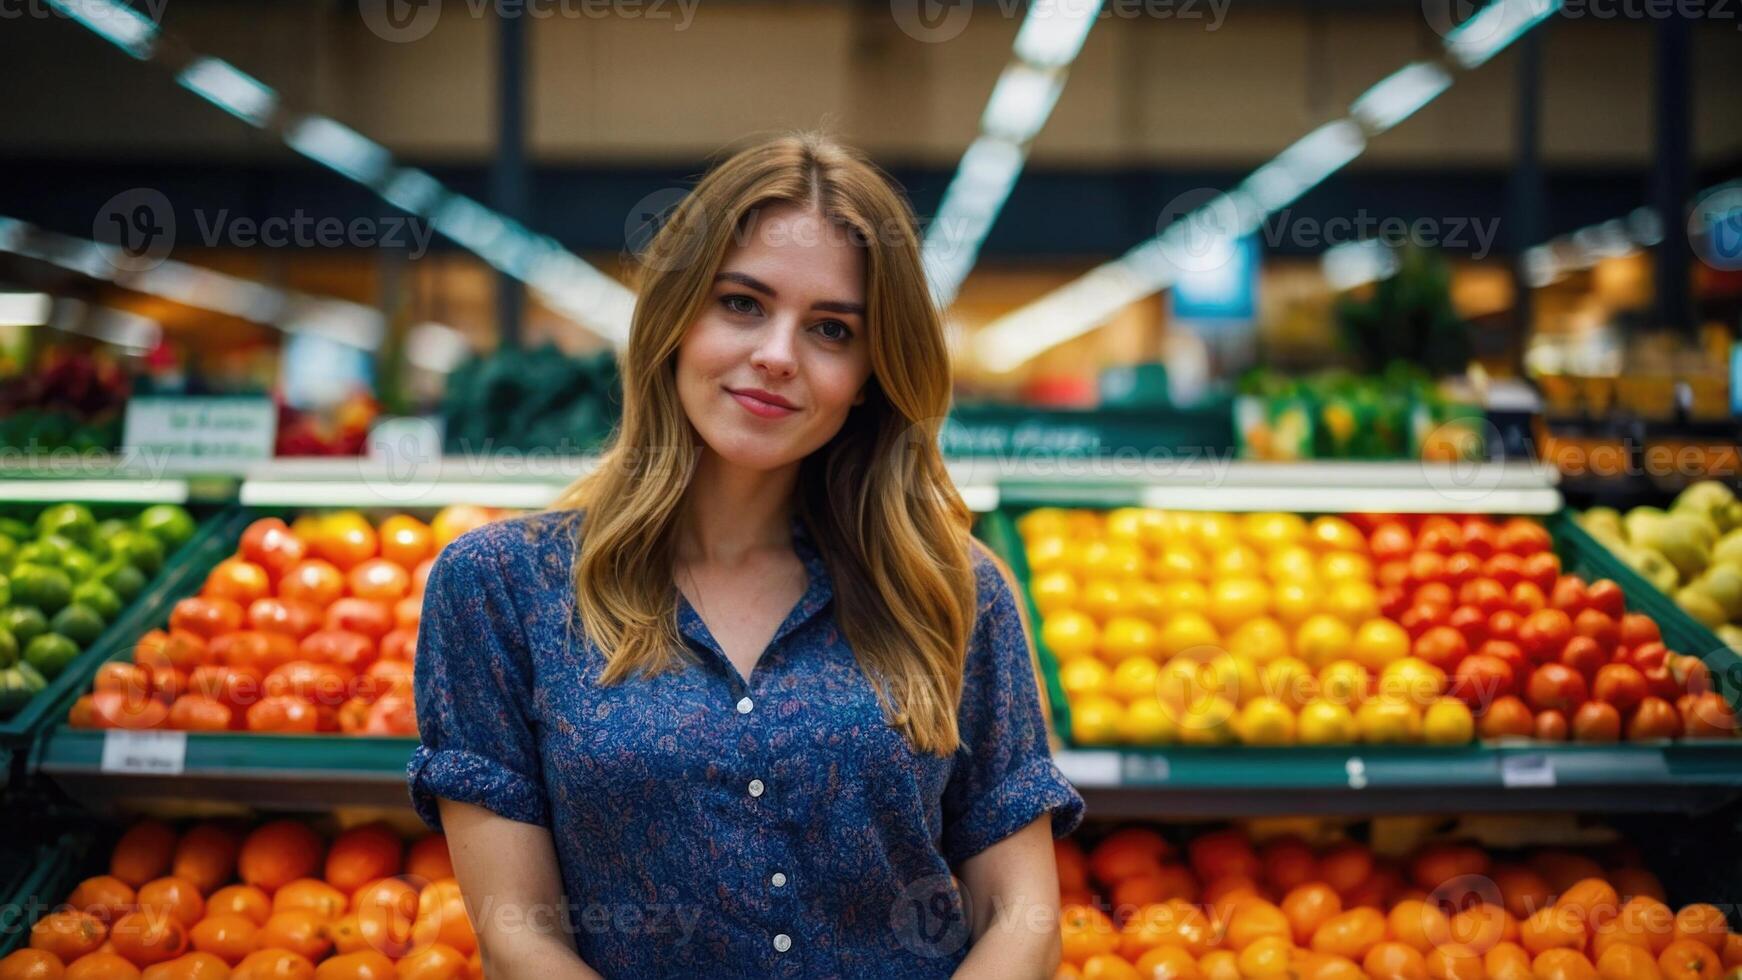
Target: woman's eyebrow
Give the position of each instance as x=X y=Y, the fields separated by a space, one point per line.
x=749 y=281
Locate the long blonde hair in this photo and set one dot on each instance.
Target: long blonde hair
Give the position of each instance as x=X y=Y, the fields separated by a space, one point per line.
x=876 y=498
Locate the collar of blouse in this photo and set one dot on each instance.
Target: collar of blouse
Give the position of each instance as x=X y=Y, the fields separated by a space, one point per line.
x=817 y=594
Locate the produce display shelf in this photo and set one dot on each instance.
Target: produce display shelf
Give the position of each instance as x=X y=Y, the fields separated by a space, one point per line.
x=513 y=481
x=1647 y=777
x=292 y=772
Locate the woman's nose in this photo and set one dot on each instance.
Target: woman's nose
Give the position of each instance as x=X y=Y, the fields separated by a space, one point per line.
x=775 y=353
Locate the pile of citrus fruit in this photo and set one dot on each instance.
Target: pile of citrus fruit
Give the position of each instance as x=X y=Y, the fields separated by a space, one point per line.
x=1224 y=907
x=64 y=576
x=1274 y=628
x=278 y=900
x=309 y=627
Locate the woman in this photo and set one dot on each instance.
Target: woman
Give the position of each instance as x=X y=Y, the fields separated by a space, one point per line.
x=750 y=696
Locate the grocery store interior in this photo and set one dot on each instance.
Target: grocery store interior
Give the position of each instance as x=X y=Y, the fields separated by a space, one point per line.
x=1351 y=388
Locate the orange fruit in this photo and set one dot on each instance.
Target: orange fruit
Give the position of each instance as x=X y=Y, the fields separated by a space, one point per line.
x=144 y=938
x=278 y=853
x=1255 y=920
x=1507 y=961
x=274 y=964
x=345 y=541
x=1220 y=964
x=1394 y=961
x=347 y=935
x=406 y=541
x=1320 y=966
x=443 y=962
x=1593 y=899
x=1419 y=925
x=1643 y=921
x=366 y=965
x=313 y=895
x=144 y=852
x=379 y=579
x=299 y=930
x=1556 y=927
x=313 y=581
x=247 y=901
x=1085 y=932
x=101 y=966
x=1636 y=881
x=386 y=912
x=1625 y=961
x=1564 y=869
x=1350 y=934
x=1224 y=853
x=442 y=918
x=1168 y=963
x=1454 y=963
x=1228 y=892
x=228 y=937
x=1345 y=866
x=1522 y=890
x=1266 y=956
x=178 y=898
x=1288 y=864
x=31 y=964
x=1702 y=923
x=1688 y=959
x=206 y=855
x=1150 y=887
x=1308 y=907
x=104 y=896
x=1731 y=954
x=1562 y=964
x=1103 y=966
x=68 y=935
x=361 y=855
x=1127 y=852
x=189 y=966
x=1481 y=926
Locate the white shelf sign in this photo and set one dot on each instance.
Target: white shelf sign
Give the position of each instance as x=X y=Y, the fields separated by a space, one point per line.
x=199 y=430
x=1532 y=769
x=145 y=753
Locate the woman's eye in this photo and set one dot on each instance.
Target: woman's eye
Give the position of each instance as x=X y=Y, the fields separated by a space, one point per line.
x=840 y=331
x=739 y=304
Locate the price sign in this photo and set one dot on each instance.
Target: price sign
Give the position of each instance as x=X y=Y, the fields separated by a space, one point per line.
x=199 y=431
x=1530 y=769
x=145 y=753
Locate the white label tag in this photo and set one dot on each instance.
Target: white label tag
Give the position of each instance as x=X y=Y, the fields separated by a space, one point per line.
x=1535 y=769
x=1088 y=768
x=155 y=753
x=200 y=430
x=1146 y=770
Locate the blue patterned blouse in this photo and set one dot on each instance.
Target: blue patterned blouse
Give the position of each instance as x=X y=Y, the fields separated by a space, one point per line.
x=711 y=826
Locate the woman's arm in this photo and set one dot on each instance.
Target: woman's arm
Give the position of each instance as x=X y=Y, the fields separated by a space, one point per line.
x=508 y=873
x=1013 y=895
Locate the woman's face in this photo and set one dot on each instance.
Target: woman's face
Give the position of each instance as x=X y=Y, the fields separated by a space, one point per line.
x=779 y=355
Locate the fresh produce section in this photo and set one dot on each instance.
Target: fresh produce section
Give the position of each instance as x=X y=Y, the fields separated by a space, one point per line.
x=309 y=627
x=276 y=898
x=1224 y=904
x=1274 y=629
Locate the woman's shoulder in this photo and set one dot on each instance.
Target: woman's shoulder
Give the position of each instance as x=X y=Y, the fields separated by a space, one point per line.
x=526 y=550
x=993 y=579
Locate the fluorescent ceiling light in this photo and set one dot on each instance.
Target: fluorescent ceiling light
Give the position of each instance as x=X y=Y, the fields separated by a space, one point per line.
x=436 y=347
x=340 y=147
x=413 y=191
x=1494 y=27
x=1021 y=102
x=24 y=309
x=1353 y=264
x=117 y=23
x=1399 y=95
x=230 y=89
x=1052 y=33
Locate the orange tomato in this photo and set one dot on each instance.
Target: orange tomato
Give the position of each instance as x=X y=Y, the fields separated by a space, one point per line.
x=406 y=541
x=83 y=713
x=1308 y=907
x=312 y=895
x=1594 y=899
x=353 y=651
x=1562 y=964
x=1266 y=956
x=1168 y=963
x=104 y=896
x=1394 y=961
x=144 y=938
x=295 y=618
x=1689 y=959
x=442 y=918
x=228 y=937
x=428 y=859
x=144 y=852
x=101 y=966
x=1454 y=963
x=1255 y=920
x=274 y=964
x=347 y=935
x=1419 y=925
x=1507 y=961
x=1320 y=966
x=346 y=542
x=379 y=579
x=184 y=650
x=400 y=644
x=443 y=962
x=1625 y=961
x=386 y=912
x=269 y=543
x=1085 y=932
x=299 y=930
x=277 y=853
x=1481 y=926
x=238 y=580
x=361 y=855
x=1702 y=923
x=248 y=901
x=408 y=613
x=1105 y=966
x=31 y=964
x=1219 y=964
x=1556 y=927
x=68 y=935
x=371 y=617
x=177 y=897
x=199 y=713
x=366 y=965
x=1350 y=934
x=313 y=581
x=189 y=966
x=284 y=713
x=208 y=616
x=1645 y=921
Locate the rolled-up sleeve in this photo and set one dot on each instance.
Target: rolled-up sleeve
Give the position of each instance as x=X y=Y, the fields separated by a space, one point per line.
x=1004 y=777
x=474 y=683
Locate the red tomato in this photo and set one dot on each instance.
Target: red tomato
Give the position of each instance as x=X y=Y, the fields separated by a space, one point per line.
x=1471 y=622
x=185 y=650
x=1505 y=568
x=198 y=713
x=269 y=543
x=118 y=709
x=1600 y=627
x=1426 y=566
x=1638 y=629
x=1551 y=726
x=313 y=580
x=342 y=648
x=1596 y=721
x=1523 y=536
x=1439 y=534
x=1433 y=594
x=1607 y=598
x=1583 y=655
x=1506 y=716
x=1620 y=685
x=380 y=579
x=1480 y=536
x=292 y=617
x=1648 y=655
x=1485 y=594
x=370 y=617
x=1654 y=718
x=401 y=644
x=1556 y=687
x=1504 y=625
x=1508 y=652
x=1568 y=595
x=352 y=716
x=1391 y=540
x=1393 y=602
x=1480 y=678
x=129 y=679
x=420 y=575
x=206 y=616
x=1422 y=617
x=1462 y=567
x=1441 y=646
x=167 y=684
x=392 y=715
x=1527 y=598
x=282 y=714
x=1707 y=715
x=318 y=684
x=1691 y=674
x=237 y=580
x=1661 y=683
x=1544 y=633
x=237 y=687
x=1542 y=569
x=382 y=678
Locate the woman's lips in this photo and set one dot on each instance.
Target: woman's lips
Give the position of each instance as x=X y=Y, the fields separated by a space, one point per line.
x=760 y=408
